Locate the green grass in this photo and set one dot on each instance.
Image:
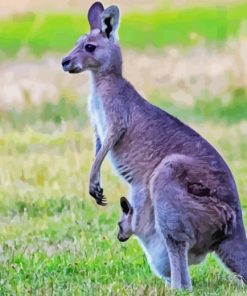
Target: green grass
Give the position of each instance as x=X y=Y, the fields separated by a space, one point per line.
x=58 y=32
x=209 y=108
x=54 y=240
x=205 y=109
x=63 y=110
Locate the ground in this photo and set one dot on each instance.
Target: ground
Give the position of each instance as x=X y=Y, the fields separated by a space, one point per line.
x=54 y=239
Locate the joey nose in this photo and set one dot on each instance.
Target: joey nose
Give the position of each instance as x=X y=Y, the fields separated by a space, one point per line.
x=65 y=63
x=121 y=238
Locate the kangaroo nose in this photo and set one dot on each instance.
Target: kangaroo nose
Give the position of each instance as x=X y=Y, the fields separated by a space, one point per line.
x=65 y=63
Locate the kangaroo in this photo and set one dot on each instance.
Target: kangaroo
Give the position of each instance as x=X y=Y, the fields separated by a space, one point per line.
x=175 y=176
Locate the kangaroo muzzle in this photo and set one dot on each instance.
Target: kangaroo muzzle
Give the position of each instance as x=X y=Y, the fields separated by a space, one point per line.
x=66 y=63
x=69 y=65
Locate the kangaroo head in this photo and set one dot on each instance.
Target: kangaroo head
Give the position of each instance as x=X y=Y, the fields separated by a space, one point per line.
x=125 y=222
x=98 y=50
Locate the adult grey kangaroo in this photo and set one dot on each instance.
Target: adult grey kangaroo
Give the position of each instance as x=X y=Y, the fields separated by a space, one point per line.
x=174 y=174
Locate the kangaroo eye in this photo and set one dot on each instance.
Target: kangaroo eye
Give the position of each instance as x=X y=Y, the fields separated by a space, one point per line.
x=90 y=47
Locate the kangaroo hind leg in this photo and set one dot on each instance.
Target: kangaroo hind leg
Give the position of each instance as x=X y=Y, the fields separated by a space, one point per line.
x=171 y=221
x=178 y=255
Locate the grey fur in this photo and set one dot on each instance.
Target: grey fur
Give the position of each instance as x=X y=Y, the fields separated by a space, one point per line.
x=179 y=183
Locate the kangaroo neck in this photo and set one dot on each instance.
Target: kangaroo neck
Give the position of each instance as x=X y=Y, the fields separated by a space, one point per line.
x=105 y=80
x=105 y=89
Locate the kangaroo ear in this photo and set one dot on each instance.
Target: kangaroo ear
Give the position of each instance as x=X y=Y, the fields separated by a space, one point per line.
x=125 y=205
x=94 y=15
x=110 y=22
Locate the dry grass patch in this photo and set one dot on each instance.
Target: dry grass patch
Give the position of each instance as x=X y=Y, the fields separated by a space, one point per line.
x=181 y=76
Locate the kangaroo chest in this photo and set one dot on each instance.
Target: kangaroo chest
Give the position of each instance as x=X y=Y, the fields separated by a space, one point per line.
x=97 y=115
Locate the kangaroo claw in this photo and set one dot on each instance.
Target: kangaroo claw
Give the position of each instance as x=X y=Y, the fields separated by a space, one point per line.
x=97 y=193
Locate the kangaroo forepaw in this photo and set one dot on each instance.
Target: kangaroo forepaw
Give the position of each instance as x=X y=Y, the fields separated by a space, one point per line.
x=97 y=193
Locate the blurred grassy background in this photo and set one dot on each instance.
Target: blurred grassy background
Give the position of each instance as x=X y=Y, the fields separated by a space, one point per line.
x=186 y=57
x=57 y=32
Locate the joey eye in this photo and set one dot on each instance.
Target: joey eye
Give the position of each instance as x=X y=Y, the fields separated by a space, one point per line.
x=90 y=47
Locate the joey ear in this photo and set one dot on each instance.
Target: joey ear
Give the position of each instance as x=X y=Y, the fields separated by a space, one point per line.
x=94 y=15
x=125 y=205
x=110 y=22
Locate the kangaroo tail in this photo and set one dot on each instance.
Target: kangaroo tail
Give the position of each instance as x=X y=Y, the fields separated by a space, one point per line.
x=233 y=252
